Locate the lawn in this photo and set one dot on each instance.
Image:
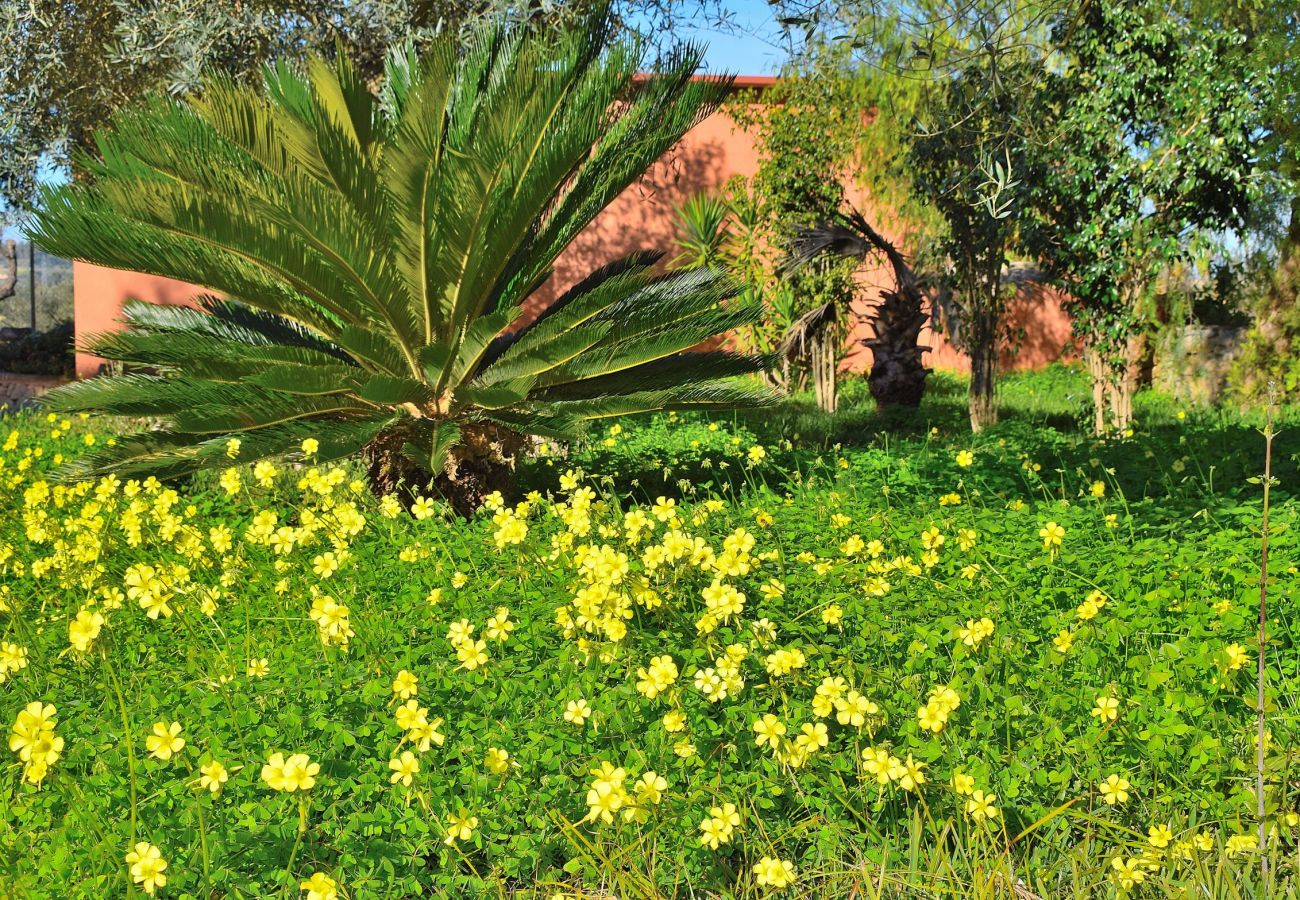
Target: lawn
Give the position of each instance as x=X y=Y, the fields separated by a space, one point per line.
x=745 y=655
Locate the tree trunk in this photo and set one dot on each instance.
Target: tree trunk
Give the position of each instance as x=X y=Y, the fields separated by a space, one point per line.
x=982 y=341
x=8 y=269
x=824 y=367
x=897 y=375
x=482 y=463
x=1112 y=392
x=1100 y=375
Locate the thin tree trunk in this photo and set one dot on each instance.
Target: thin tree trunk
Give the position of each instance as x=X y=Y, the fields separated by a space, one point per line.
x=1112 y=393
x=8 y=269
x=1098 y=373
x=982 y=342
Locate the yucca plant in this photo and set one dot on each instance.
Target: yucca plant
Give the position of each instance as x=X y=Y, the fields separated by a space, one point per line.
x=378 y=257
x=702 y=231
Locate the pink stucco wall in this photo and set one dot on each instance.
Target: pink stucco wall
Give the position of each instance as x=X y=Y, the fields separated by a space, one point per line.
x=641 y=218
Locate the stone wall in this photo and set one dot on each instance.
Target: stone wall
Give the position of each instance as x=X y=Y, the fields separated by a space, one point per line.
x=1192 y=361
x=18 y=391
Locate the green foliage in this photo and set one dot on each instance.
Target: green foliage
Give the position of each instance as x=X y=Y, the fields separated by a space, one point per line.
x=1156 y=122
x=70 y=67
x=703 y=232
x=376 y=253
x=1269 y=362
x=805 y=126
x=241 y=560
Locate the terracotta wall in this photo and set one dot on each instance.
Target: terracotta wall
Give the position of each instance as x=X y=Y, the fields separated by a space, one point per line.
x=640 y=219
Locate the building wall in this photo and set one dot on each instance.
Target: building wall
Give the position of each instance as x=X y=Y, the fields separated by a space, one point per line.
x=642 y=218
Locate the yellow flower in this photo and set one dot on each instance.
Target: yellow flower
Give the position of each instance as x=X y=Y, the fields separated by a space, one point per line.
x=423 y=508
x=320 y=887
x=965 y=458
x=664 y=509
x=165 y=741
x=1098 y=489
x=404 y=768
x=1241 y=844
x=1114 y=789
x=674 y=721
x=12 y=659
x=1159 y=836
x=460 y=826
x=1052 y=534
x=83 y=630
x=931 y=718
x=1106 y=710
x=1063 y=641
x=1128 y=873
x=773 y=873
x=1234 y=657
x=577 y=712
x=212 y=776
x=650 y=788
x=405 y=685
x=913 y=776
x=982 y=806
x=976 y=632
x=297 y=773
x=962 y=783
x=147 y=867
x=768 y=730
x=853 y=708
x=719 y=826
x=258 y=668
x=310 y=446
x=756 y=453
x=497 y=761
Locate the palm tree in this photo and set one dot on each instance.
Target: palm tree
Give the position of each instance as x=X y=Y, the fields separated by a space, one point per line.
x=897 y=376
x=378 y=257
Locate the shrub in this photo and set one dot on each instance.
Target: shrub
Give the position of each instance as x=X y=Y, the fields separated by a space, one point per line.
x=377 y=255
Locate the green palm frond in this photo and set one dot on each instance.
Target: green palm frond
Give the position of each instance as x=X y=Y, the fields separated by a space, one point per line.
x=377 y=255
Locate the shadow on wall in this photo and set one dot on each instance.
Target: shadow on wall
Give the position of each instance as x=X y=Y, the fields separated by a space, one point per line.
x=99 y=295
x=643 y=217
x=1041 y=327
x=1036 y=316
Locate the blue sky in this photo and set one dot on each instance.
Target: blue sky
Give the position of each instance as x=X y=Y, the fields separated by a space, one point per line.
x=748 y=42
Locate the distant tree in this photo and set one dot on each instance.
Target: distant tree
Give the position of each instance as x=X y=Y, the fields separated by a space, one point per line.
x=969 y=159
x=70 y=64
x=950 y=85
x=1156 y=121
x=8 y=269
x=805 y=127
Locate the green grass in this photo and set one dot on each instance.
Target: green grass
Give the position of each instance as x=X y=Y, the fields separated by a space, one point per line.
x=1177 y=566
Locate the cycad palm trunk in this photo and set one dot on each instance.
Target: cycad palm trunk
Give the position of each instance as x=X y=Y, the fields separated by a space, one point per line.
x=483 y=463
x=897 y=376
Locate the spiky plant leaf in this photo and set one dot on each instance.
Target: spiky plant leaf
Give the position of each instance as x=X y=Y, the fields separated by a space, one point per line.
x=376 y=255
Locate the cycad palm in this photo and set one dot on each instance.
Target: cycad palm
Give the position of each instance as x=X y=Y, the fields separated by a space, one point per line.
x=375 y=255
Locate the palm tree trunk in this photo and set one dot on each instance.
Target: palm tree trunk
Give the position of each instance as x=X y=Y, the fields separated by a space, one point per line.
x=481 y=464
x=897 y=375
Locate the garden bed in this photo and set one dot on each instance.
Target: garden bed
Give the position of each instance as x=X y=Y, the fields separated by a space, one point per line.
x=951 y=663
